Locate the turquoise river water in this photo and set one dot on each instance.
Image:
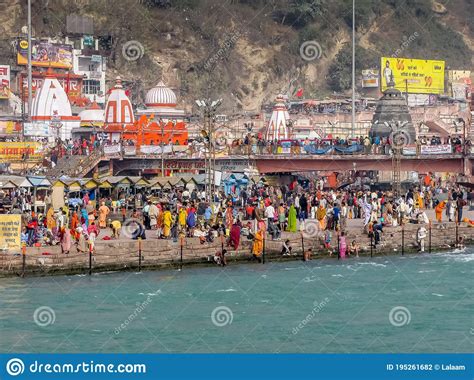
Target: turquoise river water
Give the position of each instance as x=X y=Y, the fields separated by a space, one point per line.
x=415 y=303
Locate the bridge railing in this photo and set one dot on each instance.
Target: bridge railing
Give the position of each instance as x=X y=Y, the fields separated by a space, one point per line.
x=412 y=150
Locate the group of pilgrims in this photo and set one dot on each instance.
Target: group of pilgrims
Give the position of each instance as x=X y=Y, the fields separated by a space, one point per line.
x=256 y=213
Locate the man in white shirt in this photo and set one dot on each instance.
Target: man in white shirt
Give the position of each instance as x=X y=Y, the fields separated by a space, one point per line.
x=272 y=228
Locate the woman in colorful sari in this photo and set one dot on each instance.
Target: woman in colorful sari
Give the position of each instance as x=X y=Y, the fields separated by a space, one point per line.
x=292 y=219
x=257 y=247
x=167 y=220
x=103 y=212
x=182 y=216
x=50 y=220
x=321 y=216
x=85 y=216
x=65 y=239
x=74 y=224
x=234 y=239
x=439 y=211
x=229 y=217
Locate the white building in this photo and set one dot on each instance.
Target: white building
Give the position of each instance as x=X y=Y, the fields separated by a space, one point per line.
x=51 y=107
x=118 y=111
x=277 y=128
x=93 y=68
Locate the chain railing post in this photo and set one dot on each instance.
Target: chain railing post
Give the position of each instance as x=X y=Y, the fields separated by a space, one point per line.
x=403 y=240
x=429 y=238
x=181 y=244
x=23 y=258
x=302 y=242
x=91 y=247
x=139 y=254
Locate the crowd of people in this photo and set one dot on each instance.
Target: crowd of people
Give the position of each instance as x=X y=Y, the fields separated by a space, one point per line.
x=256 y=144
x=257 y=213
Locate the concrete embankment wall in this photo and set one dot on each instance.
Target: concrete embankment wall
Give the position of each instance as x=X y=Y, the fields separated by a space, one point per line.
x=116 y=255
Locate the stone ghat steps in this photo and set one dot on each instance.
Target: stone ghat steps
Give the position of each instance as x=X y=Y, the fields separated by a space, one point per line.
x=158 y=253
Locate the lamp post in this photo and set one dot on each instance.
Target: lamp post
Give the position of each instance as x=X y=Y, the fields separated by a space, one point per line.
x=162 y=148
x=353 y=71
x=208 y=107
x=30 y=80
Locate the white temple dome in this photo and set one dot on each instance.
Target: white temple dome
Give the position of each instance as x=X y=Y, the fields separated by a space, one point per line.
x=50 y=100
x=277 y=128
x=118 y=109
x=160 y=96
x=92 y=114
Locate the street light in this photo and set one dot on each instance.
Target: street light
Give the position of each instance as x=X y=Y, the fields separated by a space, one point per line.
x=208 y=107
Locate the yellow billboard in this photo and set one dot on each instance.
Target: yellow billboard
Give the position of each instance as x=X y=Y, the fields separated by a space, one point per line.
x=20 y=151
x=415 y=76
x=10 y=232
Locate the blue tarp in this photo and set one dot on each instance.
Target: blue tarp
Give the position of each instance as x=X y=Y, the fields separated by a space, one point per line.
x=349 y=149
x=313 y=149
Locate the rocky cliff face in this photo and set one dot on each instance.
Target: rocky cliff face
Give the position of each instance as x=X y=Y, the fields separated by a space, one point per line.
x=248 y=51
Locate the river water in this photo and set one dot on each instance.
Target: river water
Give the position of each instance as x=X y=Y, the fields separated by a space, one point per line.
x=420 y=303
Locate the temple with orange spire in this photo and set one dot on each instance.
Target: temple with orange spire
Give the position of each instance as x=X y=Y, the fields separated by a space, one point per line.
x=159 y=123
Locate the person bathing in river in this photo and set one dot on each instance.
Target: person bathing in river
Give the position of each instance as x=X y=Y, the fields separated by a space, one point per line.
x=286 y=248
x=342 y=246
x=354 y=248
